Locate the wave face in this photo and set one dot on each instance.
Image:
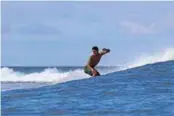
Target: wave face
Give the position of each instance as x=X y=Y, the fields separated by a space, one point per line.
x=144 y=90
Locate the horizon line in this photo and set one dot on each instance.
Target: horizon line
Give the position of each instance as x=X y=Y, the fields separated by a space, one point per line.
x=59 y=66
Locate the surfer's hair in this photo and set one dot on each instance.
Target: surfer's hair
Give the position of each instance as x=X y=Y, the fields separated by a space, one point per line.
x=95 y=48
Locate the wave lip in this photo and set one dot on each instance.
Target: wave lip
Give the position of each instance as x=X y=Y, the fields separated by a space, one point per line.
x=165 y=55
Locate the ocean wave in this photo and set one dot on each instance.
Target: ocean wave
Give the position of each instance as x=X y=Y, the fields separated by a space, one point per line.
x=137 y=90
x=53 y=75
x=48 y=75
x=165 y=55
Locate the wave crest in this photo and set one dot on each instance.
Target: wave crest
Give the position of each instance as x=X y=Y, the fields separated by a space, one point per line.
x=48 y=75
x=165 y=55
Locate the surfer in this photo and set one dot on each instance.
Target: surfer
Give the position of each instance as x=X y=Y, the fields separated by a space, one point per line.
x=94 y=60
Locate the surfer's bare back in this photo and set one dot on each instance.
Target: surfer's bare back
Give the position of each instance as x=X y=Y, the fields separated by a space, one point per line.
x=94 y=60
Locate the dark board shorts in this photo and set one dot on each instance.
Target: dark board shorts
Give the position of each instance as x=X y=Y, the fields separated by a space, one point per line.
x=88 y=71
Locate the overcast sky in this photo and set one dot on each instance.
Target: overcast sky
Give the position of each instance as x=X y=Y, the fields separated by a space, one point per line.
x=62 y=33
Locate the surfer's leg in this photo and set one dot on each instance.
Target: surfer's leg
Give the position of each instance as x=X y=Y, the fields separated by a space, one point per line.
x=87 y=71
x=96 y=73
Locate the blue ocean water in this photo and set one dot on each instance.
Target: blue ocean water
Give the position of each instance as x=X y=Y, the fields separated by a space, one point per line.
x=141 y=91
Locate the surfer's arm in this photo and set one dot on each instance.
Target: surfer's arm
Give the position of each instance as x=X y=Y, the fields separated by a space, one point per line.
x=104 y=51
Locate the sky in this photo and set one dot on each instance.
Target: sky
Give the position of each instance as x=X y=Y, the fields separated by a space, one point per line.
x=63 y=33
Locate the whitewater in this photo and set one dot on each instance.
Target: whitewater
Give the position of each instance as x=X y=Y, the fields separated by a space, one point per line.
x=16 y=79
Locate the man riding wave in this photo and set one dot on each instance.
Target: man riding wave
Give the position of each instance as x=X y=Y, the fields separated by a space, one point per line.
x=94 y=60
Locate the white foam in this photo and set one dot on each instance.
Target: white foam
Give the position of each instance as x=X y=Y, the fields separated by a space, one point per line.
x=165 y=55
x=17 y=80
x=48 y=75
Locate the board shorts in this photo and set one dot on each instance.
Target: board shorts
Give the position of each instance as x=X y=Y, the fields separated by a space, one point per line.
x=89 y=72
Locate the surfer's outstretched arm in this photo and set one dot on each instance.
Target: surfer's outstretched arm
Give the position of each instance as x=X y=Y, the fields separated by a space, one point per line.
x=105 y=51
